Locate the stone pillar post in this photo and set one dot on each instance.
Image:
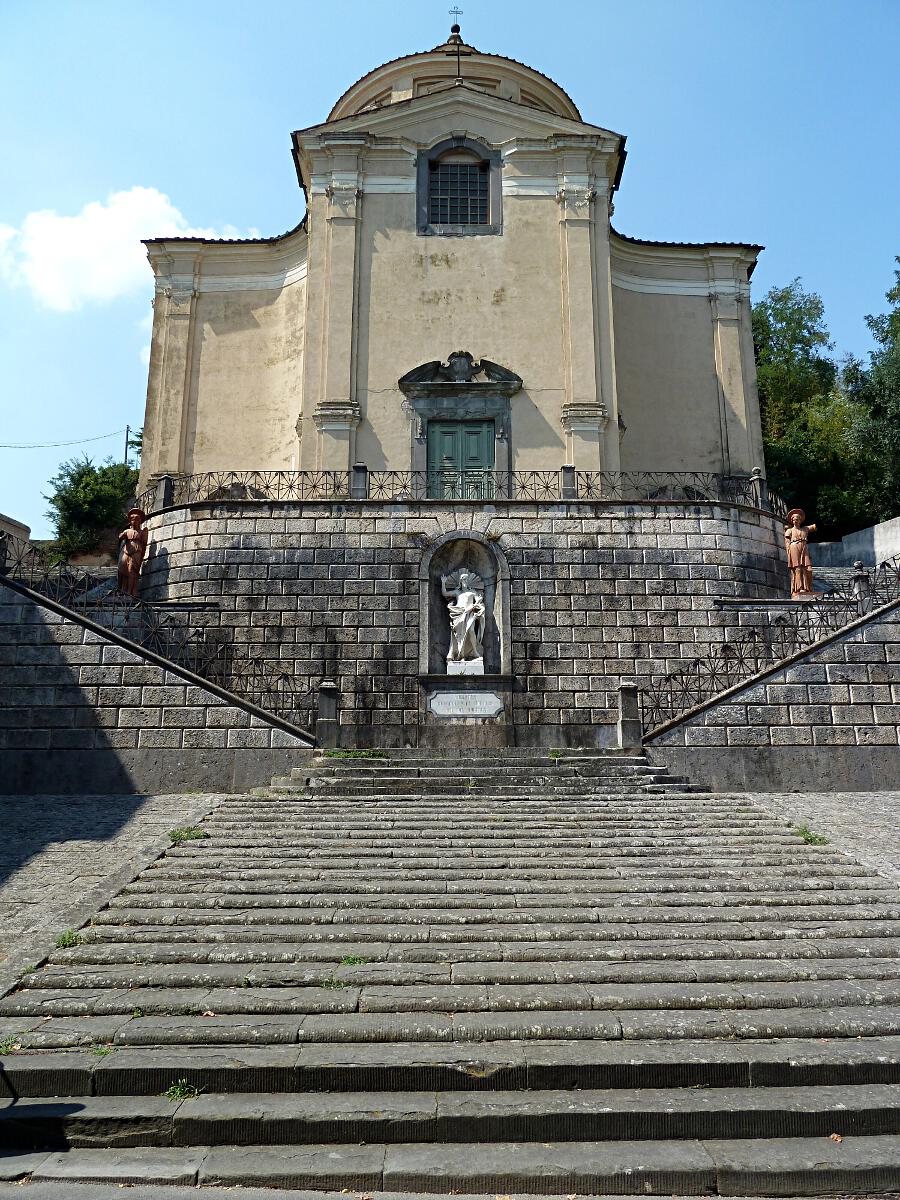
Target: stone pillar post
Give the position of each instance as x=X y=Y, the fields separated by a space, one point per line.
x=327 y=725
x=359 y=482
x=629 y=727
x=165 y=492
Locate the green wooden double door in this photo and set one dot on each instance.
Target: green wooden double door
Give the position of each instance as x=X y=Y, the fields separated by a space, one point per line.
x=460 y=460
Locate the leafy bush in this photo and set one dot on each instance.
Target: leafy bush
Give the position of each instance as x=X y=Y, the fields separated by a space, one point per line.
x=88 y=501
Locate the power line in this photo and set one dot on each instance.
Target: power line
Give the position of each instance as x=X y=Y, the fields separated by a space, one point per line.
x=52 y=445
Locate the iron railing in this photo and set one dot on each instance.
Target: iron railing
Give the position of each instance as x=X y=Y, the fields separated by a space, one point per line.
x=752 y=649
x=564 y=484
x=188 y=635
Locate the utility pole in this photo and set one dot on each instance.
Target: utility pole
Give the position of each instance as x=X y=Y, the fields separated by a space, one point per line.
x=127 y=439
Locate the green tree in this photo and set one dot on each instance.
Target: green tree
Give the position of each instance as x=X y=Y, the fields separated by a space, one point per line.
x=876 y=390
x=87 y=501
x=789 y=335
x=136 y=444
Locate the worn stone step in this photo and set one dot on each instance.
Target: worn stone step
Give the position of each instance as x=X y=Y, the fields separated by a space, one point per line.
x=748 y=1167
x=234 y=894
x=51 y=1033
x=283 y=879
x=234 y=942
x=376 y=966
x=215 y=990
x=457 y=1066
x=440 y=1117
x=480 y=923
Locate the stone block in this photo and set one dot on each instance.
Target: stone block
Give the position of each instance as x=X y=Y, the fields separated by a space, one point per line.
x=748 y=736
x=159 y=739
x=876 y=735
x=248 y=739
x=791 y=735
x=832 y=735
x=140 y=718
x=205 y=739
x=886 y=714
x=829 y=693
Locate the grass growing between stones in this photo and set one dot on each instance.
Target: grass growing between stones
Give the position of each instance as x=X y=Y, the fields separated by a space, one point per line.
x=811 y=839
x=187 y=833
x=353 y=960
x=353 y=754
x=102 y=1051
x=334 y=983
x=68 y=939
x=10 y=1045
x=182 y=1090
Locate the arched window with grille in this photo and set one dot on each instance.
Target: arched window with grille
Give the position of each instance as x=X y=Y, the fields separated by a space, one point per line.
x=459 y=189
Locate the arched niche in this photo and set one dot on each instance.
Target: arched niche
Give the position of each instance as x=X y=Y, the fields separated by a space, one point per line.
x=448 y=553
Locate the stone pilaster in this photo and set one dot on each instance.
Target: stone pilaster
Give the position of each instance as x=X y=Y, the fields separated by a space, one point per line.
x=170 y=382
x=735 y=373
x=329 y=394
x=586 y=309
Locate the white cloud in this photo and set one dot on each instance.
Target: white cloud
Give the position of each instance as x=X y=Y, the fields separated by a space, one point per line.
x=95 y=256
x=145 y=325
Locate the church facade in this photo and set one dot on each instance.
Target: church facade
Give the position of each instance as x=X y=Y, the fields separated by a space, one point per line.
x=456 y=201
x=453 y=459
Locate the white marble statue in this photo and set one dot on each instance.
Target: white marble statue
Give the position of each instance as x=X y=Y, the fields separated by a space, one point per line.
x=465 y=592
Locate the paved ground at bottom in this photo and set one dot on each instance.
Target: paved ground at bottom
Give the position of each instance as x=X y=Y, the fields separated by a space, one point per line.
x=61 y=854
x=105 y=1191
x=865 y=825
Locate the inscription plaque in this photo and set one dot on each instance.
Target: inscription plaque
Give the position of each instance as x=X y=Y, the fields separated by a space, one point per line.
x=465 y=704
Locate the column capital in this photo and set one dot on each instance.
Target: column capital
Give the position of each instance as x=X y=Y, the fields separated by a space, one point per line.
x=584 y=417
x=337 y=415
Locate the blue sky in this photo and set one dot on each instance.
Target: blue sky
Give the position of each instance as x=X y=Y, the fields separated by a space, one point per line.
x=771 y=121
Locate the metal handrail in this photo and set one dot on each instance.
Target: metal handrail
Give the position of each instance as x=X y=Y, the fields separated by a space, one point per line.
x=196 y=641
x=665 y=698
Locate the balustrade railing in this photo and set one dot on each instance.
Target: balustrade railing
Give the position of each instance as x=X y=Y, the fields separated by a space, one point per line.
x=564 y=484
x=751 y=649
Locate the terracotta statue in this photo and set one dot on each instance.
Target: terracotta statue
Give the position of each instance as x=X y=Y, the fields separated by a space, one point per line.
x=796 y=539
x=132 y=548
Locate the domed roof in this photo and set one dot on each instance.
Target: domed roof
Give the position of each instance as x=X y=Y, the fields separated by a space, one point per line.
x=432 y=70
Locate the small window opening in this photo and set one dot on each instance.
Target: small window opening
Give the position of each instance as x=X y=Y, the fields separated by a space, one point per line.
x=458 y=191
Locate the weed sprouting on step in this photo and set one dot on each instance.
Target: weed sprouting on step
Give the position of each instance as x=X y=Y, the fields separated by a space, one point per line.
x=68 y=939
x=354 y=754
x=554 y=753
x=102 y=1051
x=187 y=833
x=137 y=1012
x=11 y=1044
x=333 y=983
x=811 y=839
x=353 y=960
x=182 y=1090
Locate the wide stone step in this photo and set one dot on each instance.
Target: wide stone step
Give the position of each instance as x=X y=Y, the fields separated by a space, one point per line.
x=460 y=1066
x=378 y=966
x=560 y=1115
x=773 y=1167
x=218 y=989
x=51 y=1033
x=232 y=894
x=200 y=877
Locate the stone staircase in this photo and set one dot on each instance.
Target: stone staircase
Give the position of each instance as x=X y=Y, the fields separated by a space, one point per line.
x=492 y=972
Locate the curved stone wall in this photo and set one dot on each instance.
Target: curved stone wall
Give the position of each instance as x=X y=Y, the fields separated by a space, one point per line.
x=598 y=592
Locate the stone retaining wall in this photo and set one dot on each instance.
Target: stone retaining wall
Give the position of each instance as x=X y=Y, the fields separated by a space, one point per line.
x=597 y=592
x=829 y=719
x=81 y=713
